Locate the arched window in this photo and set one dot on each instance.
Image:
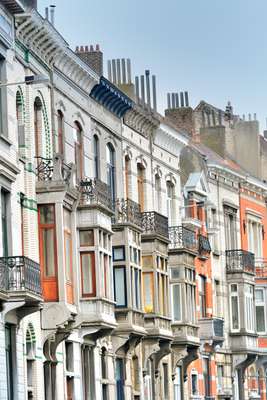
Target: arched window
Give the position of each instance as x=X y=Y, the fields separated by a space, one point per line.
x=136 y=376
x=96 y=155
x=157 y=193
x=20 y=119
x=111 y=170
x=127 y=172
x=170 y=203
x=60 y=132
x=30 y=359
x=140 y=186
x=38 y=126
x=78 y=150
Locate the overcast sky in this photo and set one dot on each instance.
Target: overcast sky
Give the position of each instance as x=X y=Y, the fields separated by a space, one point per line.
x=217 y=50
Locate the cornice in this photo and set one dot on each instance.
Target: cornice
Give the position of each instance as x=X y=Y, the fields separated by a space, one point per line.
x=142 y=121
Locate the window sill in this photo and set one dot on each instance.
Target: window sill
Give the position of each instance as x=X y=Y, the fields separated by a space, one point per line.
x=216 y=253
x=6 y=139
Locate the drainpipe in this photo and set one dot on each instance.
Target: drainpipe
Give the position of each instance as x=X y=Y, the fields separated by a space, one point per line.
x=52 y=101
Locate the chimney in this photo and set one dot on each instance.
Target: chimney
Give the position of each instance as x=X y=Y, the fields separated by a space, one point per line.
x=148 y=89
x=179 y=112
x=92 y=57
x=31 y=4
x=52 y=14
x=119 y=73
x=47 y=13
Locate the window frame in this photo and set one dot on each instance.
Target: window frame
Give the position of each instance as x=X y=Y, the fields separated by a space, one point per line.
x=123 y=267
x=93 y=293
x=113 y=253
x=260 y=304
x=233 y=295
x=44 y=226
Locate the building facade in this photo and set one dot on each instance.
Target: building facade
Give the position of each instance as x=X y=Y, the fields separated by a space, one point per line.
x=132 y=259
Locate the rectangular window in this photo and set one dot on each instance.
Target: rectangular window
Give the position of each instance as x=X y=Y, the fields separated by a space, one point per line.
x=47 y=229
x=190 y=302
x=176 y=302
x=254 y=228
x=230 y=225
x=10 y=352
x=206 y=375
x=69 y=356
x=86 y=238
x=260 y=310
x=68 y=244
x=220 y=376
x=120 y=286
x=148 y=292
x=202 y=295
x=194 y=380
x=119 y=253
x=4 y=214
x=178 y=393
x=136 y=287
x=217 y=298
x=88 y=367
x=249 y=304
x=234 y=307
x=88 y=274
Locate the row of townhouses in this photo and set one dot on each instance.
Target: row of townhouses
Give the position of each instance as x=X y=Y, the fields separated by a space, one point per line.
x=133 y=246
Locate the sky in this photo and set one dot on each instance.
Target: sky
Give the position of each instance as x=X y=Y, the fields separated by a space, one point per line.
x=214 y=49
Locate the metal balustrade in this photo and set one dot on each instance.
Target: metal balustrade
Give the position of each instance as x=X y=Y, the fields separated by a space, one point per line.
x=127 y=211
x=203 y=245
x=240 y=261
x=155 y=224
x=49 y=169
x=20 y=273
x=182 y=238
x=95 y=192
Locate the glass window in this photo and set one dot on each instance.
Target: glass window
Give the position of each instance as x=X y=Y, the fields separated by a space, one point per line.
x=230 y=226
x=111 y=174
x=178 y=394
x=176 y=302
x=10 y=367
x=234 y=307
x=86 y=238
x=170 y=203
x=194 y=385
x=38 y=126
x=60 y=132
x=68 y=244
x=78 y=155
x=158 y=193
x=220 y=375
x=47 y=231
x=166 y=381
x=119 y=376
x=148 y=292
x=140 y=186
x=249 y=304
x=88 y=274
x=136 y=285
x=96 y=155
x=260 y=310
x=202 y=295
x=120 y=286
x=127 y=176
x=47 y=214
x=88 y=367
x=119 y=253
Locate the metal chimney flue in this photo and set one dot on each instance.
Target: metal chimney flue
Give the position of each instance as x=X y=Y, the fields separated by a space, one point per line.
x=186 y=99
x=143 y=89
x=47 y=13
x=147 y=72
x=182 y=99
x=154 y=92
x=52 y=14
x=137 y=94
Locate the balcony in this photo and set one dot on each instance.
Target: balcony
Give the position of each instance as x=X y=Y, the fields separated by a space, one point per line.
x=130 y=321
x=21 y=275
x=155 y=224
x=211 y=329
x=158 y=326
x=204 y=247
x=240 y=261
x=48 y=170
x=185 y=334
x=182 y=238
x=127 y=212
x=95 y=193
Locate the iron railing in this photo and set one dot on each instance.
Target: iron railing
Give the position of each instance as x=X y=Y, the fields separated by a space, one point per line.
x=182 y=238
x=203 y=245
x=127 y=211
x=48 y=169
x=155 y=224
x=95 y=192
x=240 y=261
x=20 y=273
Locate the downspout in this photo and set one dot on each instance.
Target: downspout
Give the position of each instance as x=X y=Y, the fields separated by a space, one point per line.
x=52 y=101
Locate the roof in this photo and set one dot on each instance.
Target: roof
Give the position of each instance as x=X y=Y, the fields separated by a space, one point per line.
x=14 y=6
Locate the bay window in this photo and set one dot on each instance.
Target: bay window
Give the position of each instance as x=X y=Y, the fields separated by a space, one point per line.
x=148 y=292
x=234 y=307
x=136 y=287
x=202 y=295
x=260 y=311
x=177 y=302
x=120 y=286
x=87 y=261
x=68 y=244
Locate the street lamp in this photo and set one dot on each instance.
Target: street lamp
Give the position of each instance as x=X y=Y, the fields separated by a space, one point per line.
x=29 y=80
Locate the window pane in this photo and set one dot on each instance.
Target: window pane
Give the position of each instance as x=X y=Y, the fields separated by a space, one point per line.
x=67 y=219
x=88 y=274
x=68 y=256
x=148 y=295
x=176 y=293
x=118 y=253
x=47 y=214
x=234 y=306
x=87 y=238
x=260 y=318
x=120 y=293
x=48 y=251
x=259 y=296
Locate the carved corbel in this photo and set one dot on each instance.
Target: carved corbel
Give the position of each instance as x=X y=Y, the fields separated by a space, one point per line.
x=151 y=346
x=164 y=350
x=193 y=354
x=178 y=354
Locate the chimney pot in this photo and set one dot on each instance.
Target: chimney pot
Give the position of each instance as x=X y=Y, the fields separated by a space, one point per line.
x=86 y=48
x=77 y=49
x=97 y=48
x=91 y=47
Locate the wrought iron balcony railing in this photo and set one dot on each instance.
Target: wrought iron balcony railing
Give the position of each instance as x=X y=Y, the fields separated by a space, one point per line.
x=49 y=169
x=95 y=192
x=182 y=238
x=20 y=273
x=127 y=211
x=240 y=261
x=155 y=224
x=203 y=245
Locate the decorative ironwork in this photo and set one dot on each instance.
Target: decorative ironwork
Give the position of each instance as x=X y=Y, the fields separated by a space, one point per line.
x=94 y=191
x=154 y=223
x=127 y=211
x=21 y=273
x=48 y=169
x=240 y=261
x=182 y=238
x=44 y=169
x=203 y=244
